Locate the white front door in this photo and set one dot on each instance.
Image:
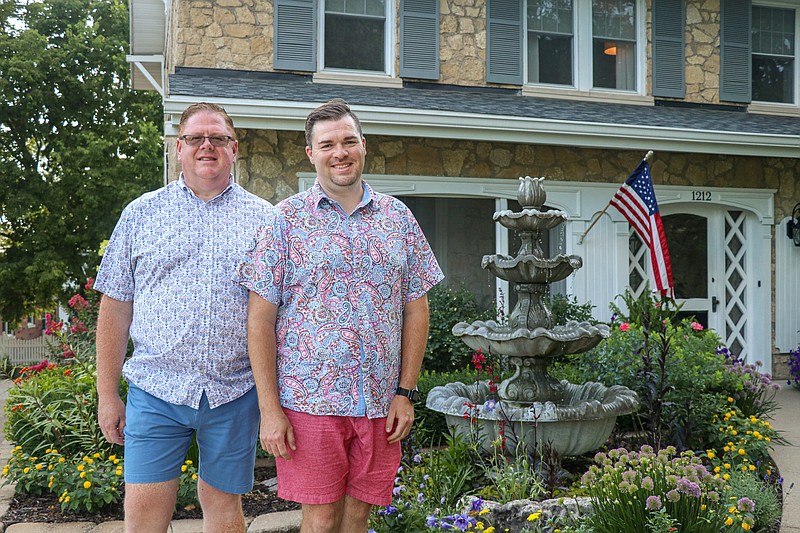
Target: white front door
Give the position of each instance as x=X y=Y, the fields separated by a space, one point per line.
x=712 y=267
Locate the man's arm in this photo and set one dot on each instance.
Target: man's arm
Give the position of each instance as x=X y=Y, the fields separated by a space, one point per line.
x=113 y=325
x=277 y=435
x=412 y=351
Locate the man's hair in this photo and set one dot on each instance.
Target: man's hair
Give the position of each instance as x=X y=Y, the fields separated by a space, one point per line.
x=201 y=107
x=333 y=110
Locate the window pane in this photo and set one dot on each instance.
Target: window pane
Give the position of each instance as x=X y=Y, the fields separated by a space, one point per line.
x=549 y=59
x=773 y=79
x=550 y=31
x=354 y=42
x=687 y=241
x=773 y=31
x=335 y=6
x=553 y=16
x=614 y=19
x=614 y=64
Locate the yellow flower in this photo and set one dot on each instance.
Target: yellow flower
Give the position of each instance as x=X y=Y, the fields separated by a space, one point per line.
x=483 y=512
x=726 y=477
x=89 y=460
x=711 y=454
x=534 y=516
x=87 y=484
x=727 y=465
x=5 y=470
x=39 y=466
x=731 y=401
x=26 y=470
x=183 y=468
x=745 y=526
x=188 y=461
x=489 y=529
x=728 y=521
x=479 y=526
x=741 y=451
x=61 y=459
x=47 y=450
x=119 y=471
x=83 y=475
x=96 y=455
x=112 y=457
x=80 y=468
x=194 y=476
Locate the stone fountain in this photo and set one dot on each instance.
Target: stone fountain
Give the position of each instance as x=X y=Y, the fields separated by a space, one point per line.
x=533 y=408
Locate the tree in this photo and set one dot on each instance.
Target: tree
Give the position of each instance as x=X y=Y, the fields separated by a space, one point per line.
x=76 y=144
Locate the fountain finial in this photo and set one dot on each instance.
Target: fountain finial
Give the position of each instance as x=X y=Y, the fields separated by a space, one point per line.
x=531 y=192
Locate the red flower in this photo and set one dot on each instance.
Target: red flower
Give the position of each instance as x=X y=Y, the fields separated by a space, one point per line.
x=624 y=326
x=78 y=327
x=89 y=283
x=51 y=328
x=78 y=302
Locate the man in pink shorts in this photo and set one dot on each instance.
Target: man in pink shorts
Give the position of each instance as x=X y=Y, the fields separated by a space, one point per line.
x=337 y=327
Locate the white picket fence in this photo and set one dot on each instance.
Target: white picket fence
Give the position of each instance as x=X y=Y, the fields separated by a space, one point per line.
x=21 y=352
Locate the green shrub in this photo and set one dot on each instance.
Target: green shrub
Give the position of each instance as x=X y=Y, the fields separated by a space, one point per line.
x=430 y=427
x=445 y=351
x=767 y=503
x=565 y=308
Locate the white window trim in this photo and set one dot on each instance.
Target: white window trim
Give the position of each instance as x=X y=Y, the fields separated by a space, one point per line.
x=333 y=75
x=779 y=108
x=583 y=72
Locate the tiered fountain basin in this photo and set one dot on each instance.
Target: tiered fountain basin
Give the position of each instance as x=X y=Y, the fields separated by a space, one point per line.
x=574 y=337
x=579 y=423
x=529 y=269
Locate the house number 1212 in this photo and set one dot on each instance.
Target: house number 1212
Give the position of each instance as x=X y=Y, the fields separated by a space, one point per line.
x=701 y=196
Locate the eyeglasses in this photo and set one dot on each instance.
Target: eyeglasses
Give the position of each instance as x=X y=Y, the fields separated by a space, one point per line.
x=219 y=141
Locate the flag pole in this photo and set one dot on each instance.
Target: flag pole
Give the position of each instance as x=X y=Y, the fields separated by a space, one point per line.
x=647 y=157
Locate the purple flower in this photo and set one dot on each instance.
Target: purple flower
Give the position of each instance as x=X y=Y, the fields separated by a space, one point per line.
x=420 y=497
x=746 y=505
x=477 y=504
x=391 y=509
x=417 y=458
x=674 y=496
x=432 y=521
x=462 y=522
x=397 y=490
x=653 y=503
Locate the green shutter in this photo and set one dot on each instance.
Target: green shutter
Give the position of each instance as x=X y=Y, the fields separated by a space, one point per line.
x=669 y=56
x=735 y=72
x=295 y=35
x=504 y=38
x=419 y=39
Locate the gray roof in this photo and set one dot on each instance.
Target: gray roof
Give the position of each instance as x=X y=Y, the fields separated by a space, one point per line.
x=715 y=124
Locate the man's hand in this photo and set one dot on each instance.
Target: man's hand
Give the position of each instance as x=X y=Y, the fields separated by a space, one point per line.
x=277 y=435
x=111 y=416
x=400 y=419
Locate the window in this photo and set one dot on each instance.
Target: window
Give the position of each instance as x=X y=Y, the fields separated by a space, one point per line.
x=583 y=44
x=773 y=61
x=355 y=34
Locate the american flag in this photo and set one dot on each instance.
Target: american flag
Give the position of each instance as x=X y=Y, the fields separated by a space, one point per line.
x=636 y=200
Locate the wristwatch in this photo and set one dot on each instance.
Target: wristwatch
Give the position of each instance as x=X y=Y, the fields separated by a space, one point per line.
x=411 y=394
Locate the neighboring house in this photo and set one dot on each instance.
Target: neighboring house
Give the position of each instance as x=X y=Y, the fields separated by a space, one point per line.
x=26 y=343
x=458 y=98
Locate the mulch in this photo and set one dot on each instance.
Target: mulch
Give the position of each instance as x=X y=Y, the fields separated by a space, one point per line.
x=27 y=508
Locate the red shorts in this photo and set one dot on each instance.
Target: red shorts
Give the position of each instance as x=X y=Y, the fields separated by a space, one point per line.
x=338 y=455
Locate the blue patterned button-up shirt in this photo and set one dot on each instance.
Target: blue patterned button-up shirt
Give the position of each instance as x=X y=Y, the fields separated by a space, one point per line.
x=340 y=283
x=175 y=255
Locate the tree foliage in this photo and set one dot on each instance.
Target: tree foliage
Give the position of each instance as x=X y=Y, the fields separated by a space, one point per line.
x=76 y=144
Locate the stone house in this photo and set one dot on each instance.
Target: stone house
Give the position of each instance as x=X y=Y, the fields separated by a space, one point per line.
x=458 y=98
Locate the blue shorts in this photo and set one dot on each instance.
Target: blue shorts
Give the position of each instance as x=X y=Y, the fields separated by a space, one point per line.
x=158 y=435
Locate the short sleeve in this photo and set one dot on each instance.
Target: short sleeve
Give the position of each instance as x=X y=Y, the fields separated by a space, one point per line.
x=262 y=268
x=423 y=269
x=115 y=276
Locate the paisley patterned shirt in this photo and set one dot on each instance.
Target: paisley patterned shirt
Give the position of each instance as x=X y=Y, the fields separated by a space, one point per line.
x=340 y=283
x=174 y=256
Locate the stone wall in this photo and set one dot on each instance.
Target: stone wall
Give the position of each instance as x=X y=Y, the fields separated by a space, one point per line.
x=237 y=34
x=702 y=51
x=269 y=161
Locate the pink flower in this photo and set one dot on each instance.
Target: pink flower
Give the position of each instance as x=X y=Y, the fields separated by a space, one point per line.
x=78 y=327
x=697 y=326
x=78 y=302
x=624 y=326
x=51 y=328
x=89 y=283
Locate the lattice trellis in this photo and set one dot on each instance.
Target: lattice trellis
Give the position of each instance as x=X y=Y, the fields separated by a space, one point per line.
x=638 y=255
x=736 y=284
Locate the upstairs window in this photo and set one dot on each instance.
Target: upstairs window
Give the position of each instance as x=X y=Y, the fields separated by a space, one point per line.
x=614 y=44
x=773 y=57
x=355 y=35
x=550 y=41
x=582 y=44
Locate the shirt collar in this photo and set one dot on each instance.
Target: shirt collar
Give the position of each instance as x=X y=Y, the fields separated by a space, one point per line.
x=317 y=195
x=182 y=185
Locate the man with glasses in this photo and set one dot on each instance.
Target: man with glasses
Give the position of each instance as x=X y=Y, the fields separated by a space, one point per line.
x=337 y=328
x=166 y=279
